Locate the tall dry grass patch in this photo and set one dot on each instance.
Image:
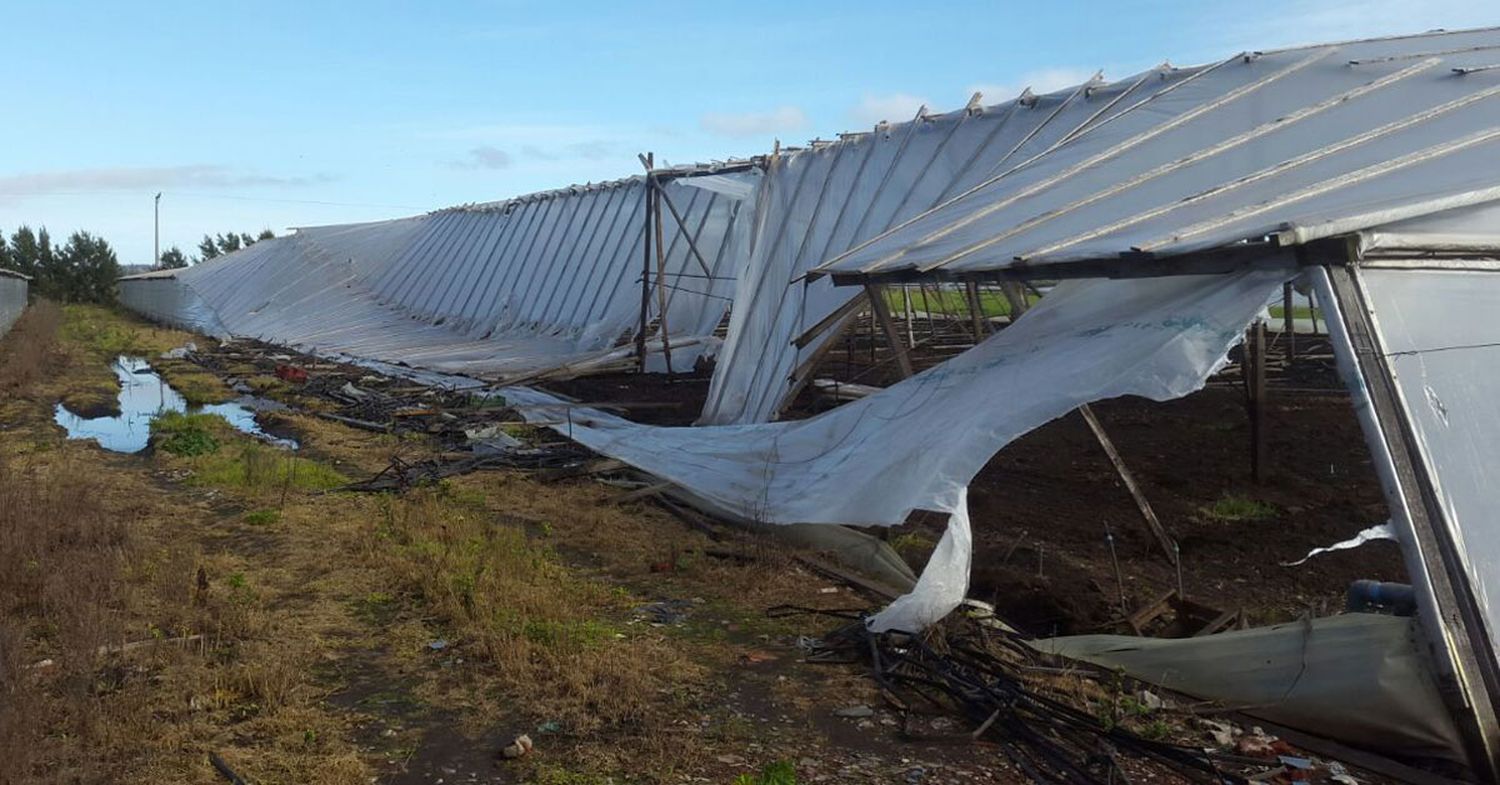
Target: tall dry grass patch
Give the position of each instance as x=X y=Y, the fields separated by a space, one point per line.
x=29 y=350
x=559 y=639
x=60 y=563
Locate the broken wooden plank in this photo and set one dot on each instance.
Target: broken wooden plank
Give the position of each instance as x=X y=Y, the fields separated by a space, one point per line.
x=363 y=425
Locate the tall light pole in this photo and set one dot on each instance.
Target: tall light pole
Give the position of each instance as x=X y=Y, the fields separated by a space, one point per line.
x=156 y=234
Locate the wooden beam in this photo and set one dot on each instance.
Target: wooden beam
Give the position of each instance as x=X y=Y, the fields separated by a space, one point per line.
x=1016 y=296
x=1147 y=513
x=855 y=303
x=1255 y=394
x=803 y=373
x=876 y=295
x=661 y=275
x=1288 y=321
x=976 y=310
x=640 y=335
x=686 y=233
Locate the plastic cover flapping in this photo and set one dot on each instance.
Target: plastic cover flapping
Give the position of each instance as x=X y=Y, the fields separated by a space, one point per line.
x=917 y=444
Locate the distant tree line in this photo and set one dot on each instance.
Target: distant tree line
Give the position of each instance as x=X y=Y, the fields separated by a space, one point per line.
x=209 y=247
x=84 y=269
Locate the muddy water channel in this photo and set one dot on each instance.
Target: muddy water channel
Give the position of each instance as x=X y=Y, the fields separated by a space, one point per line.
x=143 y=395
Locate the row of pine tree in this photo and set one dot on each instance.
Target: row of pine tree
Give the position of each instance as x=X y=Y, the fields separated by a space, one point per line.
x=84 y=268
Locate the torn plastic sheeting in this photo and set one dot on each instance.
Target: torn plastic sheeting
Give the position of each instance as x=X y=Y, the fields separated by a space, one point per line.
x=825 y=199
x=1359 y=677
x=1380 y=531
x=739 y=187
x=917 y=444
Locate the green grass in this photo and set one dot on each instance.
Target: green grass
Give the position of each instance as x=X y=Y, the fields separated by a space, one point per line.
x=100 y=331
x=778 y=773
x=952 y=301
x=1298 y=312
x=258 y=467
x=1233 y=507
x=187 y=435
x=196 y=385
x=262 y=517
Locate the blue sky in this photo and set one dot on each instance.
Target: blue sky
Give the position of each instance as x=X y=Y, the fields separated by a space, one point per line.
x=270 y=115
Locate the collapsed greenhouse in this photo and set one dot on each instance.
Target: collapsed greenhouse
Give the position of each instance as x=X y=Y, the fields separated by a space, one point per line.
x=1169 y=208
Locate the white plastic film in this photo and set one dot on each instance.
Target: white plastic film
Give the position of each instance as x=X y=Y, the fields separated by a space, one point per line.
x=917 y=444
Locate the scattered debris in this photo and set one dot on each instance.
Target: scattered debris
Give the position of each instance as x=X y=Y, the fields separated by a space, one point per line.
x=860 y=711
x=181 y=352
x=521 y=747
x=665 y=611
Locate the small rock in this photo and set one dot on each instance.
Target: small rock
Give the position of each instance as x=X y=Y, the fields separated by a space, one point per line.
x=854 y=712
x=438 y=645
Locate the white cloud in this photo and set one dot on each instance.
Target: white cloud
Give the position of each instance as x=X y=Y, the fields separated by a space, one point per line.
x=1041 y=82
x=782 y=119
x=894 y=107
x=483 y=157
x=135 y=178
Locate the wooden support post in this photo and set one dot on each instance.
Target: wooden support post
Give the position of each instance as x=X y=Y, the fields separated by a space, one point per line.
x=976 y=310
x=640 y=335
x=1255 y=394
x=803 y=373
x=1016 y=297
x=1288 y=322
x=911 y=337
x=1147 y=513
x=927 y=309
x=661 y=274
x=882 y=309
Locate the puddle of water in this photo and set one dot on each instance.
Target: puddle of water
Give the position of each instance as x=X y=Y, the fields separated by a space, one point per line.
x=143 y=395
